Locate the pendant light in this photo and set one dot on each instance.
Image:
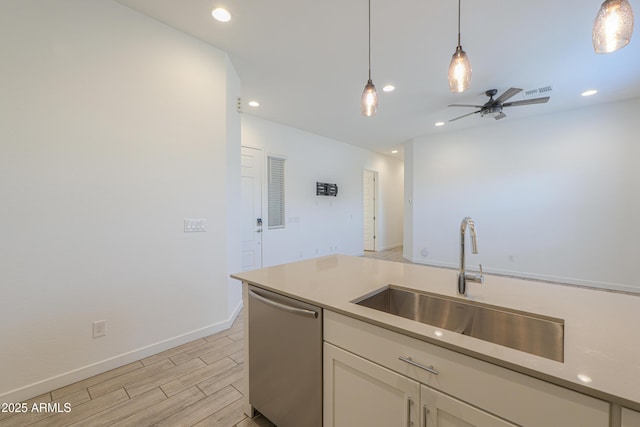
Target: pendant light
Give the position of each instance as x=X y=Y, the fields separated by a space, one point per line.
x=369 y=101
x=460 y=67
x=613 y=26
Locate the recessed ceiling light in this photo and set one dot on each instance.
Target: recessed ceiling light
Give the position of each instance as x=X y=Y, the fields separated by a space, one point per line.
x=584 y=378
x=389 y=88
x=254 y=104
x=589 y=92
x=221 y=15
x=439 y=123
x=394 y=152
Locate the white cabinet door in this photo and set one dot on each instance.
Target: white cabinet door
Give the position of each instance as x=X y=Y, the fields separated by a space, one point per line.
x=440 y=410
x=630 y=418
x=358 y=393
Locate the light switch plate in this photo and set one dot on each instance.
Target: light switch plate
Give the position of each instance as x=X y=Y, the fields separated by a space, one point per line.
x=192 y=225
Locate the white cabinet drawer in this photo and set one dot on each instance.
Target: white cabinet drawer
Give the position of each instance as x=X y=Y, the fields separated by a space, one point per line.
x=508 y=394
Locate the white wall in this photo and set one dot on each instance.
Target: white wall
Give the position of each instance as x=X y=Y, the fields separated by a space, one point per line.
x=317 y=225
x=113 y=129
x=554 y=197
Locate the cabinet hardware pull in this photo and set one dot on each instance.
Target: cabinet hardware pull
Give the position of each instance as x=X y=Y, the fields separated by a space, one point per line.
x=429 y=368
x=284 y=307
x=425 y=414
x=409 y=403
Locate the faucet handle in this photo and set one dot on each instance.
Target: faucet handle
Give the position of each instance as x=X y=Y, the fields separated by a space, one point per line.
x=479 y=278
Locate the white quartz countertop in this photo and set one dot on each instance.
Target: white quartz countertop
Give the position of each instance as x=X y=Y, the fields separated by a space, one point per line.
x=602 y=329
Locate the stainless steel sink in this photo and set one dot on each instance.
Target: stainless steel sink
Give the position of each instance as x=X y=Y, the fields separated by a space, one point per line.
x=532 y=333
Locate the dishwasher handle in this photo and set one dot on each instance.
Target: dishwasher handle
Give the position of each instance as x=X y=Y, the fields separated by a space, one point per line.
x=284 y=307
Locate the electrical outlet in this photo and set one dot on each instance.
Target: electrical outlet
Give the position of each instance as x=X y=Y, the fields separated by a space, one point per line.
x=99 y=328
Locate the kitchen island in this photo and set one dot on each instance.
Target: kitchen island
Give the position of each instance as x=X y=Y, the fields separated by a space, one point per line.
x=599 y=375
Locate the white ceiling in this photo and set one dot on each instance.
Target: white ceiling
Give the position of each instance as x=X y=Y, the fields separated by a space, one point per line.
x=305 y=61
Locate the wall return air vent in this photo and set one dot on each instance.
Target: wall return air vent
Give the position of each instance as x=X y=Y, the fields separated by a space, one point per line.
x=533 y=93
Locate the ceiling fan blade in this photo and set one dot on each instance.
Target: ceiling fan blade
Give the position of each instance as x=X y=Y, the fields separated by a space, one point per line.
x=464 y=105
x=527 y=102
x=508 y=94
x=465 y=115
x=500 y=116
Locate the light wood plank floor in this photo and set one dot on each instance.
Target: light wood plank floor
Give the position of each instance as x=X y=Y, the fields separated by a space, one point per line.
x=196 y=384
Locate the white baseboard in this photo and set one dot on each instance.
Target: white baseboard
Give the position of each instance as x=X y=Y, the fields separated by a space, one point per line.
x=523 y=275
x=79 y=374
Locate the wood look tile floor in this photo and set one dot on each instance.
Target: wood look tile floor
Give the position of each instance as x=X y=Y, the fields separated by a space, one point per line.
x=199 y=383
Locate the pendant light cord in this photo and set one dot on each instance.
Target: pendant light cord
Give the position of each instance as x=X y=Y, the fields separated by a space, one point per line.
x=370 y=40
x=458 y=23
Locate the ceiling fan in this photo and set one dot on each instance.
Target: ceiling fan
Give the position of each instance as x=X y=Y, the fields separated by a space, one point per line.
x=493 y=107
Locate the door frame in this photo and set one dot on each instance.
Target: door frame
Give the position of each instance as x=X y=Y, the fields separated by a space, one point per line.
x=375 y=208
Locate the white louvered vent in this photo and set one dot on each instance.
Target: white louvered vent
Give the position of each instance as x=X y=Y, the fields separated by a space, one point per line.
x=275 y=192
x=534 y=93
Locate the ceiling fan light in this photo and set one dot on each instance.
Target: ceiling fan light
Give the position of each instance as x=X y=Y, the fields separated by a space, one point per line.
x=369 y=102
x=613 y=26
x=492 y=112
x=459 y=71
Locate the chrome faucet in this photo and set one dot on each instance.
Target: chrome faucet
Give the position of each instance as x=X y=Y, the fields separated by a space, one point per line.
x=464 y=277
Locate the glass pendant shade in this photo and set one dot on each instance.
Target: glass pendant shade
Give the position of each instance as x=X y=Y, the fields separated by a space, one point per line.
x=459 y=71
x=369 y=102
x=613 y=26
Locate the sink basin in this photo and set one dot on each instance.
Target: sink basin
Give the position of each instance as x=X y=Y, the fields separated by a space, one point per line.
x=532 y=333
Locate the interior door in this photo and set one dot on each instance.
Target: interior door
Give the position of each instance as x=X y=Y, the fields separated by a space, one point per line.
x=369 y=209
x=251 y=213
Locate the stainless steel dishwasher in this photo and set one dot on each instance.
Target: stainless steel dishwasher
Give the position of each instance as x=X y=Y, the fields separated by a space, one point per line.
x=285 y=359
